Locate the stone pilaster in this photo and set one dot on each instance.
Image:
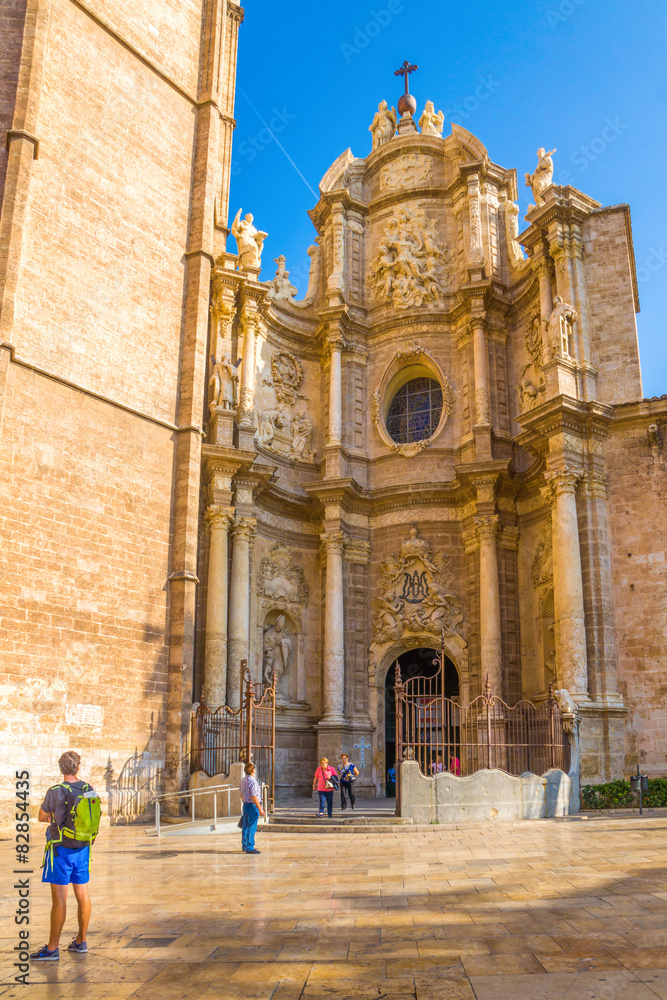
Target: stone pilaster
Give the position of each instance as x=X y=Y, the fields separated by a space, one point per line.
x=214 y=691
x=243 y=534
x=246 y=409
x=491 y=643
x=598 y=589
x=570 y=630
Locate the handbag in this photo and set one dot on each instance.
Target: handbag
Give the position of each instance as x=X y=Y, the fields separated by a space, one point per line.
x=331 y=782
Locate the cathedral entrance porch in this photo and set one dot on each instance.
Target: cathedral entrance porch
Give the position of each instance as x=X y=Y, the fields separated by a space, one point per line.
x=416 y=663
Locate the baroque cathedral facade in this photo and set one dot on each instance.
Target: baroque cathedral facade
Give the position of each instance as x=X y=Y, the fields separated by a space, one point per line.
x=443 y=440
x=430 y=446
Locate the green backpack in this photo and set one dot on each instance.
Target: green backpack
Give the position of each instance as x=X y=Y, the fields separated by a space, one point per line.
x=83 y=812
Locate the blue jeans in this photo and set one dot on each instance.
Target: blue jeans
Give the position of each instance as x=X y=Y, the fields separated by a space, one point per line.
x=326 y=801
x=250 y=818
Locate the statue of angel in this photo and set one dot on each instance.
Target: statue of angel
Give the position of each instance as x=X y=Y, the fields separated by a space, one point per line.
x=383 y=127
x=431 y=123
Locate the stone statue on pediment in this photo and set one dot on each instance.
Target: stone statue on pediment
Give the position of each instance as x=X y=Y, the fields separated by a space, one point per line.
x=281 y=288
x=432 y=122
x=542 y=178
x=249 y=241
x=383 y=126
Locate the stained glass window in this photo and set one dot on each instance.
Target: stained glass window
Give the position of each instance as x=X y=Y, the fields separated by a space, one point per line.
x=414 y=412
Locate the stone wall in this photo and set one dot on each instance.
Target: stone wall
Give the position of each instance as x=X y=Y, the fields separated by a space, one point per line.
x=84 y=518
x=486 y=795
x=12 y=17
x=107 y=320
x=612 y=304
x=637 y=486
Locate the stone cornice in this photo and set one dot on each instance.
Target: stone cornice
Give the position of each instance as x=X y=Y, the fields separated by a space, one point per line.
x=561 y=204
x=563 y=414
x=639 y=411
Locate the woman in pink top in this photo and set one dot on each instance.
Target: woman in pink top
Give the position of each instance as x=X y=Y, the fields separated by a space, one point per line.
x=455 y=766
x=325 y=780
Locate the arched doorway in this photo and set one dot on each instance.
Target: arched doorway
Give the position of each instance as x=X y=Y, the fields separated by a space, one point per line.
x=420 y=662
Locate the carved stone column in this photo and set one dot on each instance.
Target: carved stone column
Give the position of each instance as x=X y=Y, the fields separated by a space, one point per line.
x=333 y=686
x=336 y=345
x=570 y=631
x=490 y=627
x=336 y=281
x=243 y=533
x=482 y=409
x=215 y=654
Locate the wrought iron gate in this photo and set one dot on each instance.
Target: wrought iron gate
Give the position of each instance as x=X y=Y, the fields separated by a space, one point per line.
x=220 y=738
x=440 y=734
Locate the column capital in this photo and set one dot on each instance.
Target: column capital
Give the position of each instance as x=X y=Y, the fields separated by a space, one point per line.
x=217 y=516
x=561 y=481
x=595 y=484
x=358 y=550
x=332 y=542
x=334 y=341
x=509 y=537
x=487 y=527
x=470 y=540
x=244 y=528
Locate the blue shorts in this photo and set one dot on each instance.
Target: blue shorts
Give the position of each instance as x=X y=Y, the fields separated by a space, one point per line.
x=70 y=865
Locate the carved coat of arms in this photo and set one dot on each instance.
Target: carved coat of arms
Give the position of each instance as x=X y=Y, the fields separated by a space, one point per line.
x=280 y=579
x=414 y=594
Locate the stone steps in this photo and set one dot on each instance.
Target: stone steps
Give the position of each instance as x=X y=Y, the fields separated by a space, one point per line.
x=298 y=822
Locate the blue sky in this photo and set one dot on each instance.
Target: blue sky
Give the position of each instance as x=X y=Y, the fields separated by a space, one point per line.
x=588 y=77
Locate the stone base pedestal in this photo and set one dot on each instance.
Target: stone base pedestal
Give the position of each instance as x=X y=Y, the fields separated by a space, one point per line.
x=406 y=125
x=604 y=755
x=221 y=430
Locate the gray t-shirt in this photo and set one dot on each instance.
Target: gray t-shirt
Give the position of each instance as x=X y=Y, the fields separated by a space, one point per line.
x=54 y=803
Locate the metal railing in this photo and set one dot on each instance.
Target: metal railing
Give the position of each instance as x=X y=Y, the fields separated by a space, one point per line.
x=214 y=790
x=221 y=737
x=443 y=735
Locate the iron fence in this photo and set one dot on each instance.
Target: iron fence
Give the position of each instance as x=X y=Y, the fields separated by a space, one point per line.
x=220 y=737
x=443 y=735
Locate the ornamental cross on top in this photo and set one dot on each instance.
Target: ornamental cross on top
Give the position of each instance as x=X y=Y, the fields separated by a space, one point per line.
x=405 y=71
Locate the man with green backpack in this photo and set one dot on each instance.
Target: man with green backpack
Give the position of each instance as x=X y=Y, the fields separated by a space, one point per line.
x=72 y=810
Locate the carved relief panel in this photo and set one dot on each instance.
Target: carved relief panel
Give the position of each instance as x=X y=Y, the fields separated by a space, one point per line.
x=279 y=428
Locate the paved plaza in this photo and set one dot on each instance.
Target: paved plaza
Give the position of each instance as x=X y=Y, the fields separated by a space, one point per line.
x=524 y=911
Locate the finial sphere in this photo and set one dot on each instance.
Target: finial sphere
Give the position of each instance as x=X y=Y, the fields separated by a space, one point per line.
x=407 y=104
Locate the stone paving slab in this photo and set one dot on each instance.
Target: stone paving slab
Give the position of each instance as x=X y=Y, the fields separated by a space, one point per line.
x=532 y=911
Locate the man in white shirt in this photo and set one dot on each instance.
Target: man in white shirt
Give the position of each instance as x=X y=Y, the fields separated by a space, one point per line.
x=250 y=792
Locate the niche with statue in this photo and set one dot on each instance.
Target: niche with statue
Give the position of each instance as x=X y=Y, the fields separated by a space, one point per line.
x=283 y=596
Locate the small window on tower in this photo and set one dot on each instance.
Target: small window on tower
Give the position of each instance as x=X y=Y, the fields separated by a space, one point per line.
x=415 y=410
